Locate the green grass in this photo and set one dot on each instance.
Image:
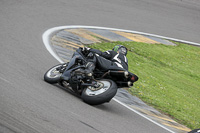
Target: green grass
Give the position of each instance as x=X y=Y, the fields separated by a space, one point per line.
x=169 y=78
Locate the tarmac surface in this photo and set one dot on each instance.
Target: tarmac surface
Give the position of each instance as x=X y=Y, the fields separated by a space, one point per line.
x=28 y=104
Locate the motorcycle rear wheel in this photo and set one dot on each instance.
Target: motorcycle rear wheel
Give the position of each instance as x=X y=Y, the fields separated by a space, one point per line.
x=52 y=76
x=104 y=93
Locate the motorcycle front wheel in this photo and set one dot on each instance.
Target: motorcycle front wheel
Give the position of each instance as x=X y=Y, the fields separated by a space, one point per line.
x=103 y=92
x=52 y=76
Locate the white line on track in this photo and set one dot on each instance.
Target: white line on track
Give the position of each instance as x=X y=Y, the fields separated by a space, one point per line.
x=48 y=34
x=55 y=29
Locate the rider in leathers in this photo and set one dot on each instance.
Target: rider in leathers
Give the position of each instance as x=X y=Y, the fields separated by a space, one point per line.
x=113 y=59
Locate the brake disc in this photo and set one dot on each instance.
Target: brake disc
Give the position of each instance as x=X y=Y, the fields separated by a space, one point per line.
x=96 y=87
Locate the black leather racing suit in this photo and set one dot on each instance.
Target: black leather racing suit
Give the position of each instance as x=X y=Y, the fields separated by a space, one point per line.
x=108 y=60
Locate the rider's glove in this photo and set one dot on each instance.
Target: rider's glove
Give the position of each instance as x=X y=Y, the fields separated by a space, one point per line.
x=85 y=49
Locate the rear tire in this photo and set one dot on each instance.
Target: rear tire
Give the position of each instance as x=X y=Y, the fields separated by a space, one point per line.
x=102 y=95
x=52 y=76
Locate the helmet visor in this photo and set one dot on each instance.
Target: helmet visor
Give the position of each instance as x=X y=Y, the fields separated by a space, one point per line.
x=122 y=50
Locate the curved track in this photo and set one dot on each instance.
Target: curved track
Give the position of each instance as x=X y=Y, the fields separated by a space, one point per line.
x=28 y=104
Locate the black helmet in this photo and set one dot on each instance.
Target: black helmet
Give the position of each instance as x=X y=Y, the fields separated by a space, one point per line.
x=121 y=49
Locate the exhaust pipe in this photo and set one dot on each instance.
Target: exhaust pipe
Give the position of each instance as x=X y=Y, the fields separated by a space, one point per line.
x=119 y=73
x=125 y=84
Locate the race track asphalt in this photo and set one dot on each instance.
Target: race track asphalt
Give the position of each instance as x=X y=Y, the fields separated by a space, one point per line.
x=28 y=104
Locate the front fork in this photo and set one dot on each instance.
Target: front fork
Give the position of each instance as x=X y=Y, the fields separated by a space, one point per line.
x=62 y=68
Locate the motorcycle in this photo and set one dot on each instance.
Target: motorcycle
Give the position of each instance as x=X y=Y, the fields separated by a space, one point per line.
x=94 y=88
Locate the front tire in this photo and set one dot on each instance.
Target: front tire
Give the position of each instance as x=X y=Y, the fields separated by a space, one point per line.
x=105 y=93
x=52 y=76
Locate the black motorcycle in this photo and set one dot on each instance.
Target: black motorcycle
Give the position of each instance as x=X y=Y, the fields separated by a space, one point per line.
x=94 y=88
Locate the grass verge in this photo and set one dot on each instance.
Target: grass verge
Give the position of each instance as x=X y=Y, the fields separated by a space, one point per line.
x=169 y=78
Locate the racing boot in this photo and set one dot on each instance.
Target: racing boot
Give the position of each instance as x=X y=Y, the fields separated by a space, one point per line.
x=88 y=71
x=90 y=66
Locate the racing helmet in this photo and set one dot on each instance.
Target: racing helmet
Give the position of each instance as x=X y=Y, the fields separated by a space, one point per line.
x=121 y=49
